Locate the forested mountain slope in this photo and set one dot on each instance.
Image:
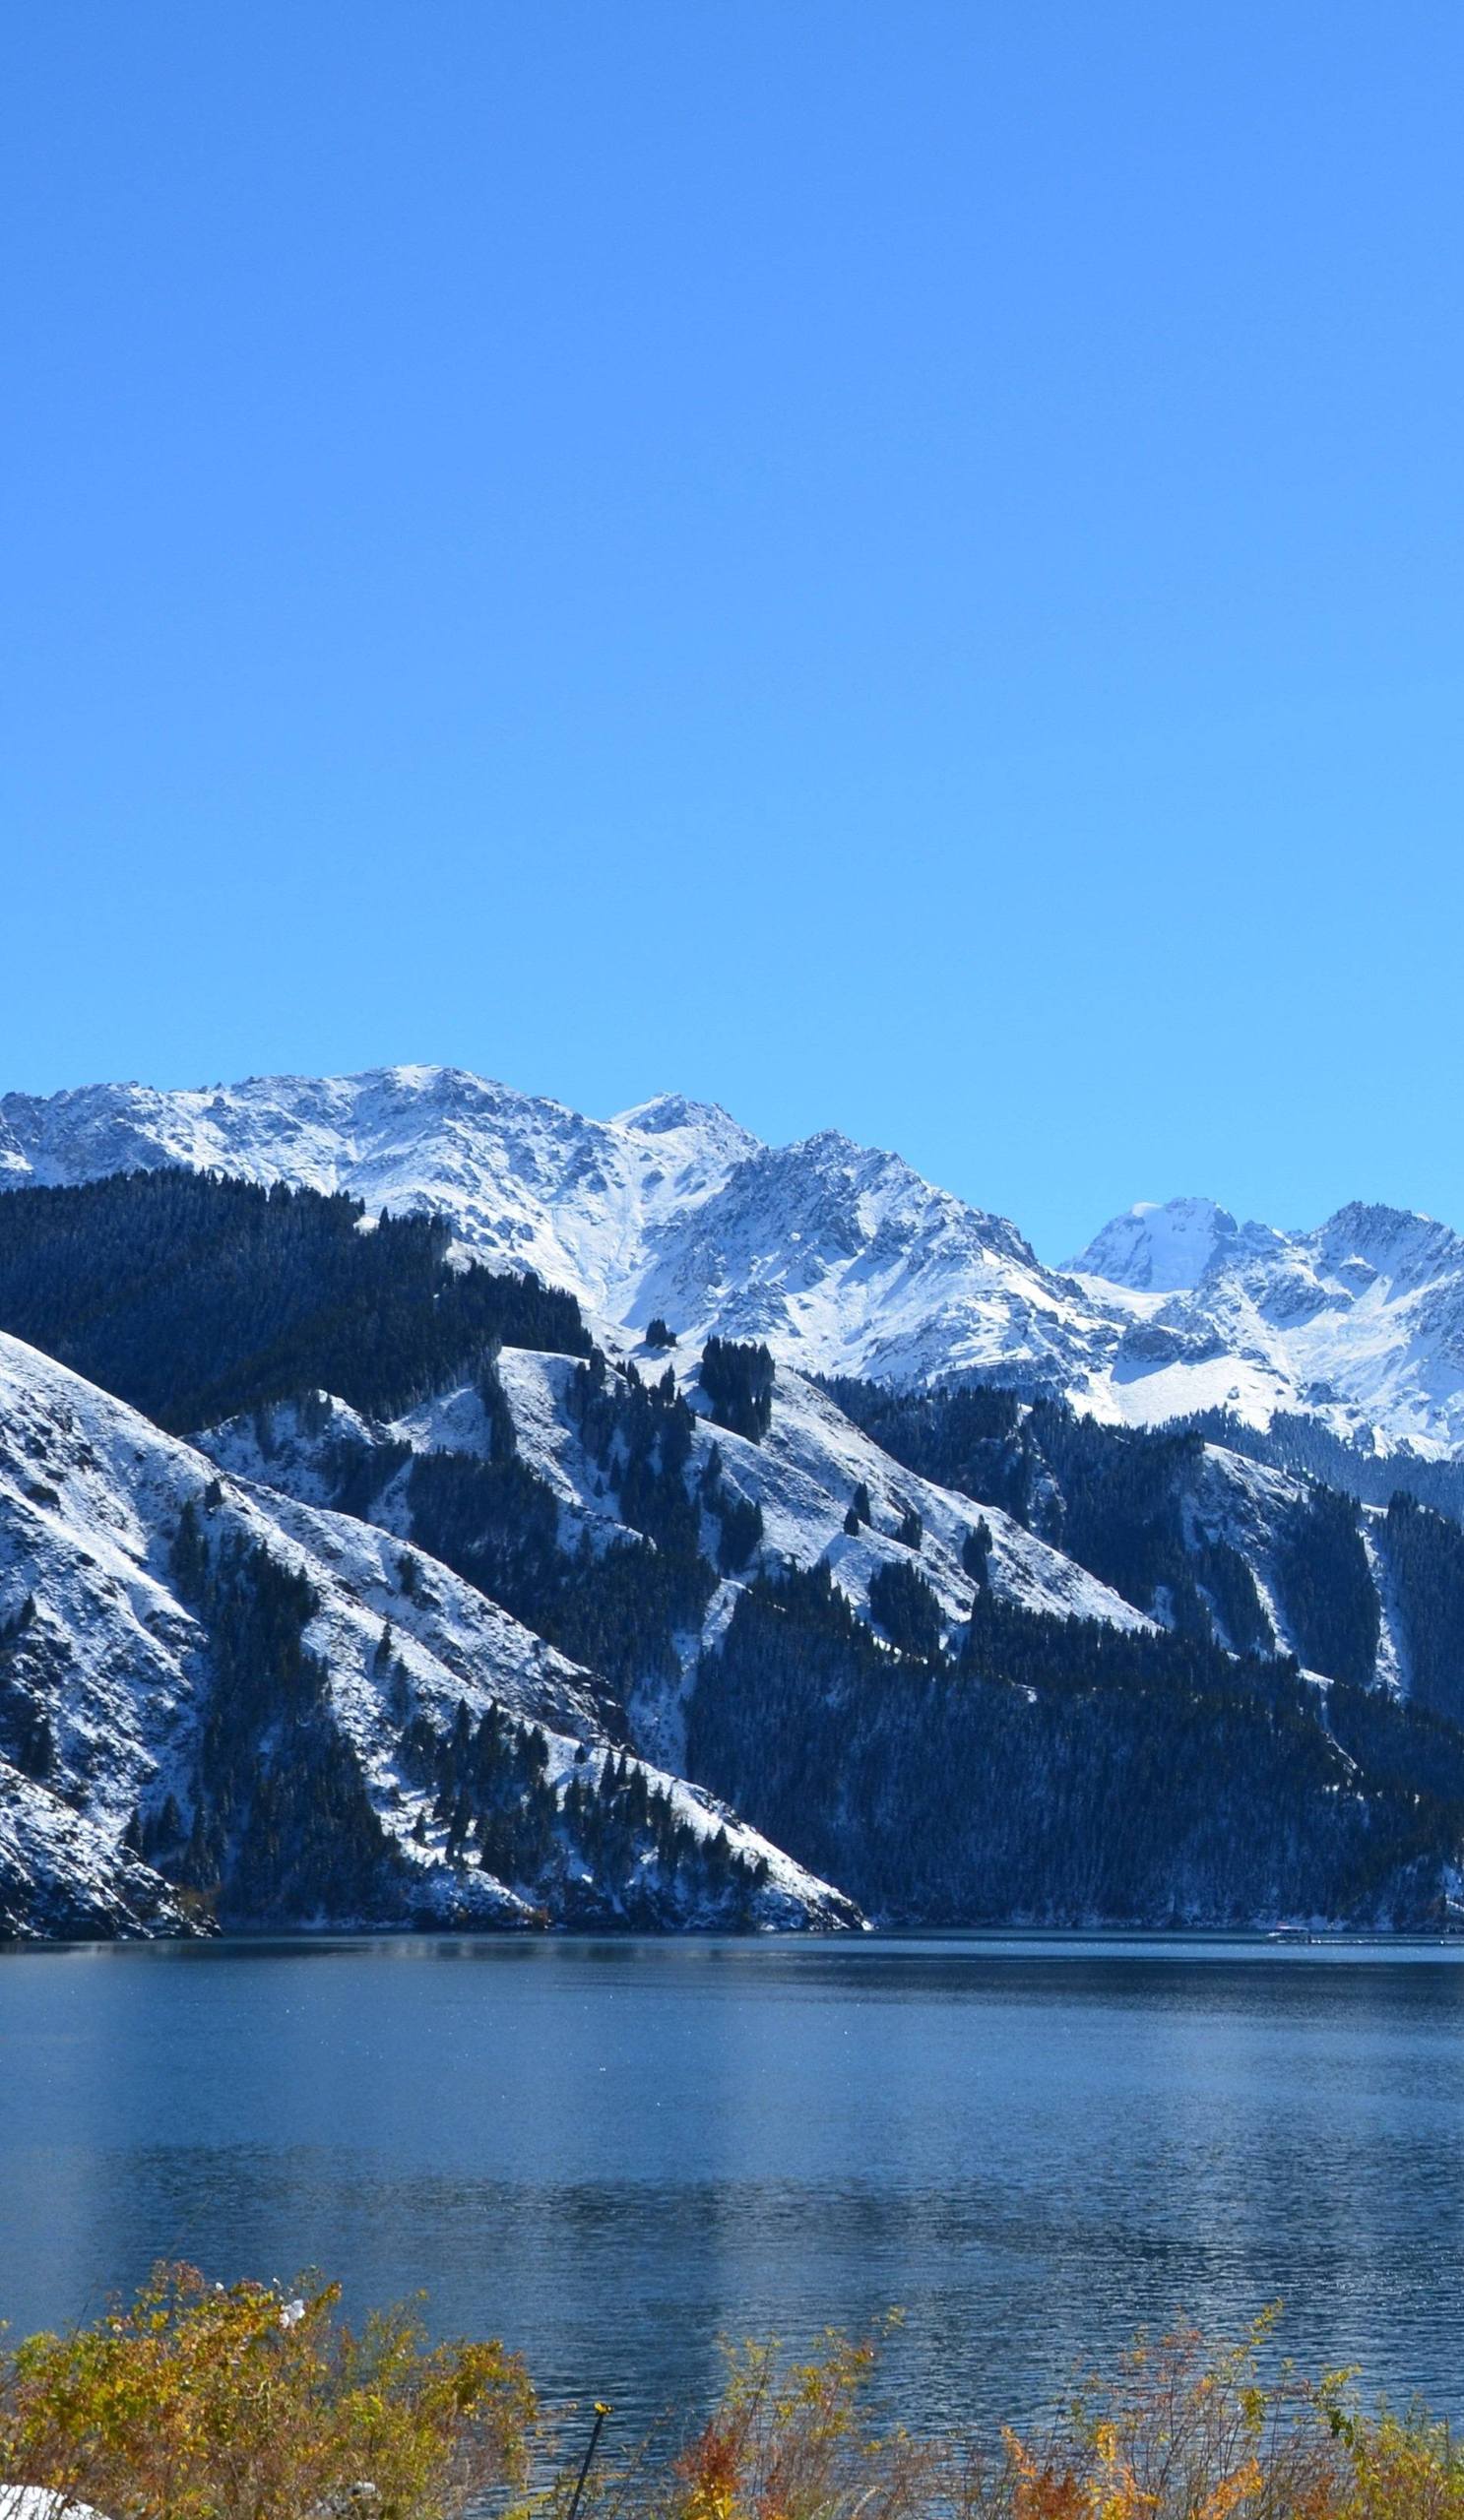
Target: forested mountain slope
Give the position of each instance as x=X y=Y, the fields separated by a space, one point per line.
x=1209 y=1541
x=609 y=1507
x=1138 y=1780
x=219 y=1704
x=964 y=1653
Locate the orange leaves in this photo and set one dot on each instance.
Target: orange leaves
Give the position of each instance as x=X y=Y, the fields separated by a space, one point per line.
x=786 y=2443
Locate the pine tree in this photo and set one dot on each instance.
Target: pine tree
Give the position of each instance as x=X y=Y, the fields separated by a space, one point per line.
x=738 y=1384
x=976 y=1552
x=36 y=1754
x=907 y=1608
x=190 y=1553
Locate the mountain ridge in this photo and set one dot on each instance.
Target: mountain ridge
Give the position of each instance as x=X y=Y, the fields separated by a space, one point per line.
x=420 y=1597
x=114 y=1679
x=842 y=1257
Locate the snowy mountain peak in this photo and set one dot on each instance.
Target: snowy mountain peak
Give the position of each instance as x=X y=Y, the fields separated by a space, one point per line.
x=840 y=1255
x=1399 y=1243
x=666 y=1113
x=1159 y=1249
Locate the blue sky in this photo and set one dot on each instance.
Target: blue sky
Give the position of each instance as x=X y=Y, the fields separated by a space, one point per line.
x=896 y=567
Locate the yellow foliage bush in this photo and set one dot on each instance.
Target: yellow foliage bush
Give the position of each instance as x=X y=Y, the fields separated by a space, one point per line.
x=1182 y=2431
x=197 y=2403
x=200 y=2403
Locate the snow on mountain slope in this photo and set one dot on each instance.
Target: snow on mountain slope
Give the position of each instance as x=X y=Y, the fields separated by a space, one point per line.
x=106 y=1675
x=803 y=1475
x=1360 y=1323
x=1158 y=1249
x=843 y=1257
x=529 y=1184
x=840 y=1257
x=845 y=1260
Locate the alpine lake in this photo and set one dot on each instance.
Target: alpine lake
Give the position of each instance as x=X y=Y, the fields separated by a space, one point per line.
x=615 y=2153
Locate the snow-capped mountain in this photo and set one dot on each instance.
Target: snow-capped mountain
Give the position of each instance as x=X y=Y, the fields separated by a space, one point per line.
x=1360 y=1323
x=475 y=1610
x=111 y=1679
x=842 y=1258
x=1157 y=1250
x=529 y=1184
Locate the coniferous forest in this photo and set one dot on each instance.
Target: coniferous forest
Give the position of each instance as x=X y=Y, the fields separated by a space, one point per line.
x=1057 y=1767
x=192 y=1297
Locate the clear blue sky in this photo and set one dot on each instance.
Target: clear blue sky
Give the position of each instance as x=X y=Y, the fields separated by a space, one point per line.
x=886 y=565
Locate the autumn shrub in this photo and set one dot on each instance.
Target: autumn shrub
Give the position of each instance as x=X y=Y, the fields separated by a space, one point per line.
x=1181 y=2430
x=793 y=2439
x=196 y=2403
x=1184 y=2431
x=201 y=2403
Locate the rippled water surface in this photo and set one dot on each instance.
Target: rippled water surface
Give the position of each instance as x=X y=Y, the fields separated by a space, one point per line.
x=611 y=2153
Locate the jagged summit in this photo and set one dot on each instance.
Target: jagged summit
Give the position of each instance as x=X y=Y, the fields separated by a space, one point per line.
x=1391 y=1239
x=666 y=1112
x=842 y=1256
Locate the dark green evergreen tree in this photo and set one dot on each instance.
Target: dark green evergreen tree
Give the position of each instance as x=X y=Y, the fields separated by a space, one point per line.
x=738 y=1383
x=907 y=1608
x=975 y=1553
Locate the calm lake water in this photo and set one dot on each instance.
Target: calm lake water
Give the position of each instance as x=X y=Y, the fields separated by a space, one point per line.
x=611 y=2153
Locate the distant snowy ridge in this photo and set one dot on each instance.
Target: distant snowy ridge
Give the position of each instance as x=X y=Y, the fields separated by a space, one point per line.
x=1359 y=1322
x=842 y=1258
